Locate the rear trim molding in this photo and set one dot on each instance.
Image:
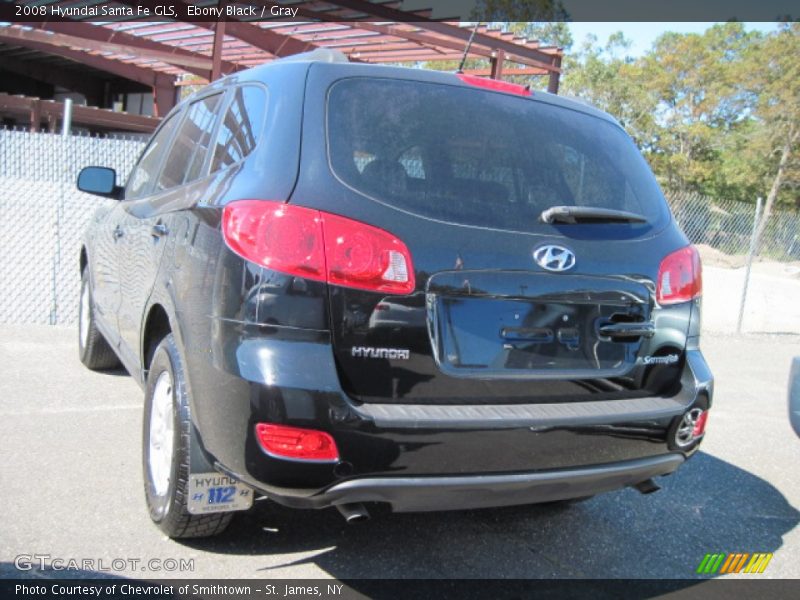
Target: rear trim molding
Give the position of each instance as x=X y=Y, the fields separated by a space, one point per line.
x=413 y=494
x=522 y=415
x=696 y=380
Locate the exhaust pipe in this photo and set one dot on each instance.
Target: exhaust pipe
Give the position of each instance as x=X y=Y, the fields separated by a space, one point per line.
x=648 y=486
x=353 y=513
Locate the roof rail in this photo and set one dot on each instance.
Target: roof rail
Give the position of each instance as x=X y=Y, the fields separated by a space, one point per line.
x=318 y=55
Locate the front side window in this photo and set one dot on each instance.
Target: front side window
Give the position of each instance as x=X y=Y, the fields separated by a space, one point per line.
x=190 y=148
x=241 y=127
x=146 y=170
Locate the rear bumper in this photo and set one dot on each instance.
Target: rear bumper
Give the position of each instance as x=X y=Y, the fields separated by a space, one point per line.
x=420 y=457
x=418 y=494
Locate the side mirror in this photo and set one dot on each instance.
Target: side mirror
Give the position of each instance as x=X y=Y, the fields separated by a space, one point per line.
x=100 y=181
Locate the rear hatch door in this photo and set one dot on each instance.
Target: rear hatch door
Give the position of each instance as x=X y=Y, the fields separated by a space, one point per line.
x=506 y=308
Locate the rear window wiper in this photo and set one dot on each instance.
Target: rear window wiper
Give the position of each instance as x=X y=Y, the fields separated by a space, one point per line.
x=588 y=214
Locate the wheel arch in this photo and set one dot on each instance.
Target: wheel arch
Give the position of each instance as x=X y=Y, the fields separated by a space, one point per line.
x=157 y=325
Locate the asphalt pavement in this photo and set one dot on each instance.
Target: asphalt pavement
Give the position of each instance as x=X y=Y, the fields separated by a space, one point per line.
x=72 y=489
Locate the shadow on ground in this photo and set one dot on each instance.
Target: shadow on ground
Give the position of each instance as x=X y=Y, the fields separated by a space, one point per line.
x=709 y=505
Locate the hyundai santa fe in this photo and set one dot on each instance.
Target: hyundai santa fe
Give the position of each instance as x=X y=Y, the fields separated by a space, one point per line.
x=342 y=284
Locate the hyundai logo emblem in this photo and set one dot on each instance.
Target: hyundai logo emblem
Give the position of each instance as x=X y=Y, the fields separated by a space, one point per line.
x=554 y=258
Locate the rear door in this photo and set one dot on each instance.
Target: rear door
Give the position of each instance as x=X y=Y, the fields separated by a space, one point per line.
x=506 y=308
x=149 y=219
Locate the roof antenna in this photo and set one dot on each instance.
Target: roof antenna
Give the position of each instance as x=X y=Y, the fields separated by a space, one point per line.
x=466 y=49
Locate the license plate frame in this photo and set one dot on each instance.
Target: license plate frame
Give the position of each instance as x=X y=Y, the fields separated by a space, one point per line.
x=210 y=493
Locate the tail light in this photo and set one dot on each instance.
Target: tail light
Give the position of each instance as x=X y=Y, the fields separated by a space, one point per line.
x=283 y=441
x=317 y=245
x=700 y=424
x=680 y=277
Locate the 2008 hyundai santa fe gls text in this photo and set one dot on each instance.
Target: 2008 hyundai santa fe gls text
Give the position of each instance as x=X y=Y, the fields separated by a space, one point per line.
x=345 y=283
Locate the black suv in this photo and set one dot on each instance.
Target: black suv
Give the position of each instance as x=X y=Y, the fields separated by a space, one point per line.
x=343 y=283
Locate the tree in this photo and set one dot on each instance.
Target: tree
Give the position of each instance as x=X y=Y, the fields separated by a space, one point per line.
x=606 y=77
x=696 y=81
x=771 y=75
x=551 y=33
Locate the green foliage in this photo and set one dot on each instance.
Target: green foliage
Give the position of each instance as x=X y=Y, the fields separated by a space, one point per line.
x=552 y=33
x=715 y=113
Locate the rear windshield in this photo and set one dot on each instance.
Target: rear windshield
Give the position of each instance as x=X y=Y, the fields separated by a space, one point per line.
x=479 y=158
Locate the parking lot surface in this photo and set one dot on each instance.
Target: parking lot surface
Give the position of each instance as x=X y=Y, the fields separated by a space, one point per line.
x=72 y=489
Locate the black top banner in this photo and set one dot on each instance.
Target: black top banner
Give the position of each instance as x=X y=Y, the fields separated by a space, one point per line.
x=17 y=11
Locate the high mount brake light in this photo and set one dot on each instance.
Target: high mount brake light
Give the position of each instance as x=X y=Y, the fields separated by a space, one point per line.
x=318 y=245
x=495 y=84
x=283 y=441
x=680 y=277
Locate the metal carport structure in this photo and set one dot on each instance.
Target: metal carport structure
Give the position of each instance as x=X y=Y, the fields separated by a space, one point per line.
x=158 y=56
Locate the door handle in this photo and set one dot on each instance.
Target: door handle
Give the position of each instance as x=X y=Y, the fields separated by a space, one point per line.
x=159 y=230
x=117 y=233
x=623 y=330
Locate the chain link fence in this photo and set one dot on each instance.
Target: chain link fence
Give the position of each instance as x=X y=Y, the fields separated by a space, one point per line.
x=43 y=216
x=727 y=226
x=751 y=262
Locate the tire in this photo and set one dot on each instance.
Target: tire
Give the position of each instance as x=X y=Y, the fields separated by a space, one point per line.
x=93 y=349
x=166 y=481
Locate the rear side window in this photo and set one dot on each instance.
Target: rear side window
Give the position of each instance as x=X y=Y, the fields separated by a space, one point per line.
x=146 y=170
x=190 y=148
x=480 y=158
x=241 y=126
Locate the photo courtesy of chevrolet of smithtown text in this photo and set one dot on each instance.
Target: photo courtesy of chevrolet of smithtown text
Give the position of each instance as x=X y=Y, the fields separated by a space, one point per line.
x=399 y=299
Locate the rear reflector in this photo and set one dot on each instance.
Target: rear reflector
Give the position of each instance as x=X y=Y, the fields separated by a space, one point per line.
x=495 y=84
x=700 y=424
x=317 y=245
x=680 y=277
x=283 y=441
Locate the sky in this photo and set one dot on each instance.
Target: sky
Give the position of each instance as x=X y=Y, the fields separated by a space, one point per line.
x=643 y=34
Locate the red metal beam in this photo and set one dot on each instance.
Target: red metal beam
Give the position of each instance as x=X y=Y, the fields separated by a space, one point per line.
x=72 y=42
x=35 y=115
x=516 y=52
x=191 y=62
x=164 y=97
x=139 y=74
x=216 y=52
x=163 y=85
x=497 y=65
x=102 y=39
x=275 y=43
x=552 y=84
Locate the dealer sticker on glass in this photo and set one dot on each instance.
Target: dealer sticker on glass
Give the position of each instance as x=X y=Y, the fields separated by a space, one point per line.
x=213 y=493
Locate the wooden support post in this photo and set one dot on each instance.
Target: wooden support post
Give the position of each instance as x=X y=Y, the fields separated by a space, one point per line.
x=552 y=83
x=497 y=64
x=36 y=115
x=163 y=95
x=216 y=53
